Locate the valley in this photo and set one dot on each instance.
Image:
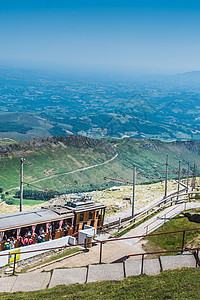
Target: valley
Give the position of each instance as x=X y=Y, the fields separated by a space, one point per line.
x=35 y=104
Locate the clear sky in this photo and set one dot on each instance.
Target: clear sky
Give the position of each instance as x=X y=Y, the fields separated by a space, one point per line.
x=137 y=35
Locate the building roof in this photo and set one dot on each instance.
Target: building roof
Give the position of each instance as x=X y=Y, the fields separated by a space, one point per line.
x=46 y=214
x=85 y=206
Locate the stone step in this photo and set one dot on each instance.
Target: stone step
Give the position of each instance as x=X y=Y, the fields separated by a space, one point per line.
x=31 y=282
x=68 y=276
x=178 y=261
x=105 y=272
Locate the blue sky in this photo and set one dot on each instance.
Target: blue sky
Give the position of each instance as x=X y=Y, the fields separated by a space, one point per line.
x=152 y=36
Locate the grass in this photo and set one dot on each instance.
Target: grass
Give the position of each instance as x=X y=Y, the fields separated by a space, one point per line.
x=56 y=159
x=173 y=241
x=29 y=202
x=6 y=141
x=53 y=258
x=176 y=284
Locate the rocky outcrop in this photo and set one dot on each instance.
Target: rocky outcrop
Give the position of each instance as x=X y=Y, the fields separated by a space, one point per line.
x=148 y=146
x=192 y=146
x=72 y=140
x=192 y=217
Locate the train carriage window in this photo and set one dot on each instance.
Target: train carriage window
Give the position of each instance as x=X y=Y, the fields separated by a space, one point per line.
x=90 y=215
x=81 y=216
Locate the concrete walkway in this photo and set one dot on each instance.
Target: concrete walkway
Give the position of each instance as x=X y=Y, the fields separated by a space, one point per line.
x=111 y=251
x=94 y=273
x=158 y=220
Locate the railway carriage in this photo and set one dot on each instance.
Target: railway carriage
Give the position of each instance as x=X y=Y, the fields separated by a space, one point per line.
x=49 y=222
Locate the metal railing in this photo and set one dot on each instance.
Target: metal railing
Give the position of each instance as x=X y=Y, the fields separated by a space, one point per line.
x=101 y=242
x=127 y=222
x=163 y=216
x=165 y=202
x=196 y=255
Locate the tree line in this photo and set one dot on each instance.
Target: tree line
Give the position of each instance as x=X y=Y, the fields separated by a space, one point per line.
x=36 y=195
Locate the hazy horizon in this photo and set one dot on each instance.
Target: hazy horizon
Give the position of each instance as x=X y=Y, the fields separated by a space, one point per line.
x=131 y=36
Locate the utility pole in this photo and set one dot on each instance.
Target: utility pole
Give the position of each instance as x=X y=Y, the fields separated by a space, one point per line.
x=188 y=176
x=21 y=182
x=134 y=181
x=179 y=178
x=166 y=175
x=194 y=177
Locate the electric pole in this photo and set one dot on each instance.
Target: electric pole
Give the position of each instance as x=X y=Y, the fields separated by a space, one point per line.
x=188 y=176
x=21 y=182
x=134 y=181
x=179 y=178
x=166 y=175
x=194 y=177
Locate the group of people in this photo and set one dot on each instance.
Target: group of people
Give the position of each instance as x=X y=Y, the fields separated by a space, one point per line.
x=41 y=235
x=36 y=234
x=13 y=241
x=9 y=244
x=28 y=238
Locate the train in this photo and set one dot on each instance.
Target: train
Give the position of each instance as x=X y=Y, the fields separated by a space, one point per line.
x=49 y=222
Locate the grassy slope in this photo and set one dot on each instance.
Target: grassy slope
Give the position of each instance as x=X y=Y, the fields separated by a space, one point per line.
x=50 y=160
x=173 y=241
x=150 y=156
x=53 y=159
x=6 y=141
x=177 y=284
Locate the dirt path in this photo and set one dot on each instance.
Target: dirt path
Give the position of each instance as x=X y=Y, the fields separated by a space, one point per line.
x=70 y=172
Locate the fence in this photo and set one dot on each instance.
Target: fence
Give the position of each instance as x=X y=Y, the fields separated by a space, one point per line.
x=165 y=202
x=101 y=242
x=196 y=255
x=163 y=216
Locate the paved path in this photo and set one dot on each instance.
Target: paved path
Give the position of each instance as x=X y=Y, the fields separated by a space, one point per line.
x=93 y=273
x=111 y=252
x=158 y=220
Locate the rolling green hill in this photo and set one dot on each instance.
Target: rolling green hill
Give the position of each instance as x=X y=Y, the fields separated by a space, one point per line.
x=76 y=163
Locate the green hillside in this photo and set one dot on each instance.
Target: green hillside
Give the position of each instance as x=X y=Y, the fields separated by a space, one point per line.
x=50 y=160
